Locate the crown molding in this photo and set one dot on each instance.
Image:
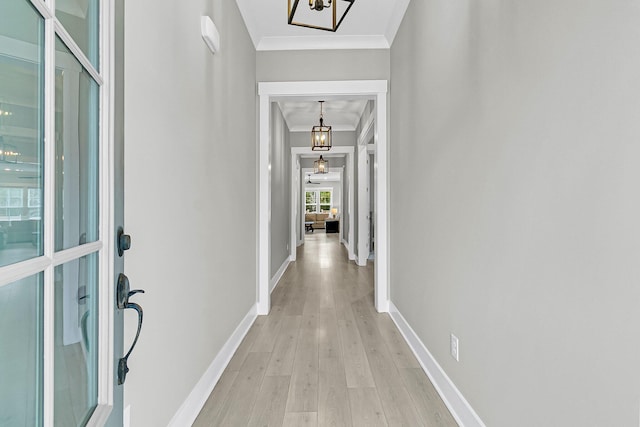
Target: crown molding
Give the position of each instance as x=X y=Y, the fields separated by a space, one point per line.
x=336 y=128
x=329 y=42
x=249 y=23
x=396 y=19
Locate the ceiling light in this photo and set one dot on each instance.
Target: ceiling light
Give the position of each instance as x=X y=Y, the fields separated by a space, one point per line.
x=321 y=135
x=316 y=17
x=320 y=166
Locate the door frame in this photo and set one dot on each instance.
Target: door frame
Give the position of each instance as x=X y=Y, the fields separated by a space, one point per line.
x=269 y=92
x=297 y=200
x=363 y=206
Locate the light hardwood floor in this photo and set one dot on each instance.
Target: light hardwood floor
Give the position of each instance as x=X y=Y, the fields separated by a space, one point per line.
x=324 y=356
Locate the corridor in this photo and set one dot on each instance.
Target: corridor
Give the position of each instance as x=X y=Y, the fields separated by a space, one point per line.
x=323 y=356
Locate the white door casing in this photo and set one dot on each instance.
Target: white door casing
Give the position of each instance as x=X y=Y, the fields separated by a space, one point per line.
x=297 y=200
x=269 y=92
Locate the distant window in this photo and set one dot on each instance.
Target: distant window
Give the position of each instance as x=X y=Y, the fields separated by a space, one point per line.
x=318 y=201
x=18 y=204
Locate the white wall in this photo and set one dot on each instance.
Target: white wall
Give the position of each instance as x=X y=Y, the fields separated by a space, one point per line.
x=280 y=190
x=189 y=131
x=515 y=144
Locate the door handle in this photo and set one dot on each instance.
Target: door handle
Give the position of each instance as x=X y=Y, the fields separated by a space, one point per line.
x=123 y=294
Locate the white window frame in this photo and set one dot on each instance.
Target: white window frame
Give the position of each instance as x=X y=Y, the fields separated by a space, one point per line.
x=318 y=203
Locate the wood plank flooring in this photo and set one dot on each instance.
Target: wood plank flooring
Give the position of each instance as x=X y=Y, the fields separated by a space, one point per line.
x=324 y=356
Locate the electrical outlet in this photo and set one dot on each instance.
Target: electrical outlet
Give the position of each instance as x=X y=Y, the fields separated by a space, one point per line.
x=455 y=348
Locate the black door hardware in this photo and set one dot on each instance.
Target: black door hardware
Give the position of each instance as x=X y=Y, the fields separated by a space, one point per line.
x=124 y=241
x=122 y=298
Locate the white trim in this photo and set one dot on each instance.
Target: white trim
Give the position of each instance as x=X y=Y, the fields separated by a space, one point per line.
x=452 y=397
x=334 y=128
x=367 y=129
x=48 y=217
x=364 y=179
x=276 y=277
x=345 y=89
x=20 y=270
x=78 y=53
x=396 y=19
x=106 y=386
x=76 y=252
x=347 y=151
x=330 y=42
x=350 y=254
x=42 y=8
x=249 y=23
x=295 y=220
x=264 y=202
x=381 y=211
x=192 y=406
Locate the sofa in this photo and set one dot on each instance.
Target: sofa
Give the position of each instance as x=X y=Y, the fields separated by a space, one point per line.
x=318 y=219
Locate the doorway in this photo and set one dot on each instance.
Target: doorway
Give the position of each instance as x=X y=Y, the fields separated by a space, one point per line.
x=298 y=203
x=269 y=92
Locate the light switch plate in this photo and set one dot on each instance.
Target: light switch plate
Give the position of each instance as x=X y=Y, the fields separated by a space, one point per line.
x=455 y=348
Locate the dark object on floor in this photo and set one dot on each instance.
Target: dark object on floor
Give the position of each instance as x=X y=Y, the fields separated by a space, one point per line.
x=332 y=226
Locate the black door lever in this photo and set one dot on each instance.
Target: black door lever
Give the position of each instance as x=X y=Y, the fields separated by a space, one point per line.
x=123 y=293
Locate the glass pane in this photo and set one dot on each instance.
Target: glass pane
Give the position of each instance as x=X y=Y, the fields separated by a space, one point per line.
x=80 y=19
x=325 y=208
x=21 y=353
x=310 y=197
x=325 y=197
x=76 y=341
x=21 y=128
x=76 y=152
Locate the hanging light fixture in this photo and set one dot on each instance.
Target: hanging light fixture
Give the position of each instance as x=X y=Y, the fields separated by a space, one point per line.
x=315 y=17
x=320 y=166
x=321 y=135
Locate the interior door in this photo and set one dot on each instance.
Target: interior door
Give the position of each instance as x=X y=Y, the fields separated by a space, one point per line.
x=56 y=214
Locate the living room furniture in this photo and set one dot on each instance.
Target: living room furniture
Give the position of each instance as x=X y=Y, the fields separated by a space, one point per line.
x=332 y=225
x=317 y=219
x=308 y=226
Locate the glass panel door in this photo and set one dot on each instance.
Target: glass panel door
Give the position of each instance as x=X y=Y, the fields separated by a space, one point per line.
x=55 y=364
x=21 y=131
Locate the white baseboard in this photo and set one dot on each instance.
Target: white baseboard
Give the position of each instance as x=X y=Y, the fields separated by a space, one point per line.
x=350 y=253
x=192 y=406
x=276 y=277
x=461 y=410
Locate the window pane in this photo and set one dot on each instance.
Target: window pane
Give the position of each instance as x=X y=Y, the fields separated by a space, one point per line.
x=310 y=197
x=80 y=19
x=76 y=152
x=325 y=197
x=21 y=352
x=325 y=208
x=21 y=127
x=311 y=208
x=76 y=341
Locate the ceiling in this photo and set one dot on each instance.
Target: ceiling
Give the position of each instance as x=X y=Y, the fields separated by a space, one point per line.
x=370 y=24
x=317 y=178
x=341 y=115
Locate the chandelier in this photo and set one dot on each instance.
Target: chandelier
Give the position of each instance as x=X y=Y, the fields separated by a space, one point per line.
x=320 y=166
x=311 y=18
x=321 y=135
